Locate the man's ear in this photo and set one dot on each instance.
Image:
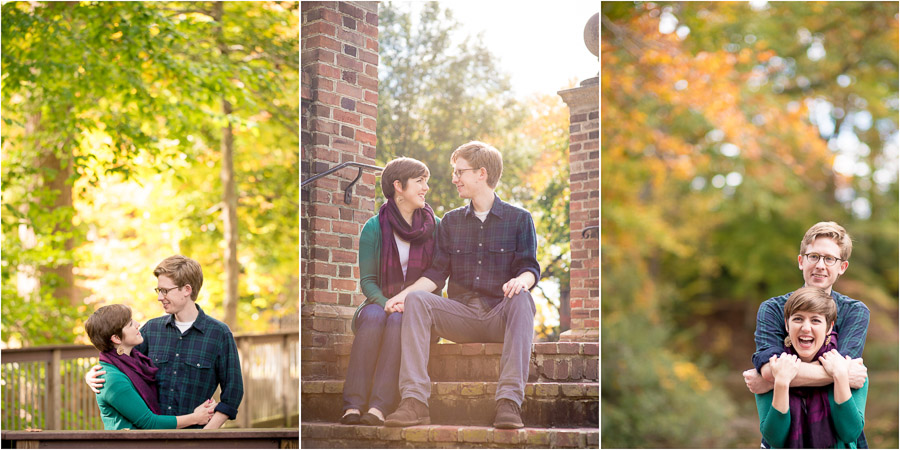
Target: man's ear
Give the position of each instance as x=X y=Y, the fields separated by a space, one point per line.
x=844 y=265
x=190 y=289
x=800 y=261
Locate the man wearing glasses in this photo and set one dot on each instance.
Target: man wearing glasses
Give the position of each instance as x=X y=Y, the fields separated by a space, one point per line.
x=195 y=353
x=488 y=250
x=824 y=256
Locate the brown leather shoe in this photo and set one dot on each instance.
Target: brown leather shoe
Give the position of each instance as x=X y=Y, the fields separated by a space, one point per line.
x=411 y=412
x=508 y=415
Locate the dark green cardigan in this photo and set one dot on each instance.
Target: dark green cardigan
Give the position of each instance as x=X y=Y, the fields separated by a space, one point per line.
x=370 y=265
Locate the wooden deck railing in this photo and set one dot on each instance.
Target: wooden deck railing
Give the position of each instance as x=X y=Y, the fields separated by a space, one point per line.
x=43 y=387
x=232 y=438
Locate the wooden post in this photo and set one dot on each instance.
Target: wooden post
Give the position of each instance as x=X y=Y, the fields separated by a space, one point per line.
x=285 y=379
x=54 y=381
x=244 y=420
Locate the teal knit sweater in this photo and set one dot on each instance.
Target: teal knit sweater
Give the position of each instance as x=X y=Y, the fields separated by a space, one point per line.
x=370 y=264
x=122 y=407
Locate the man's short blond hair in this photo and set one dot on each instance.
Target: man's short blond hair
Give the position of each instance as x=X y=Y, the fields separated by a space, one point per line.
x=479 y=155
x=829 y=230
x=183 y=271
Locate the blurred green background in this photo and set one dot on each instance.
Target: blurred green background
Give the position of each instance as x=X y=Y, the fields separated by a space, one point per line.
x=728 y=129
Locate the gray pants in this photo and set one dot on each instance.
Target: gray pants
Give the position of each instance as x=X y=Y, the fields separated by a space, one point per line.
x=510 y=322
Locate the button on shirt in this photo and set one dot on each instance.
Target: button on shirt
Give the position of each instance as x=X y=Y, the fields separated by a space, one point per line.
x=192 y=365
x=479 y=257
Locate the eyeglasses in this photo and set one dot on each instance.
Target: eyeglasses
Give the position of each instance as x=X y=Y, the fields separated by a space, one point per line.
x=458 y=172
x=813 y=258
x=165 y=291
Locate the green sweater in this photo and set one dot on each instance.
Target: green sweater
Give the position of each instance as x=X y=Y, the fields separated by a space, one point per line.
x=122 y=407
x=370 y=264
x=848 y=418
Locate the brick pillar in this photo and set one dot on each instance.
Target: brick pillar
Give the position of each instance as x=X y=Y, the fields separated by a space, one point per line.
x=339 y=97
x=584 y=201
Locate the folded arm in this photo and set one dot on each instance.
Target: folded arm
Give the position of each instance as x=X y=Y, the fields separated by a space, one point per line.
x=228 y=373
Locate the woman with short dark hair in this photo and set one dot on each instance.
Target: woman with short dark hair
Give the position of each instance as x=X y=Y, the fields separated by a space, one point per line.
x=829 y=416
x=395 y=245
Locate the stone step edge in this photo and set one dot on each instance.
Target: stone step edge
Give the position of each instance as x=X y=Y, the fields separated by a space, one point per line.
x=472 y=388
x=496 y=349
x=538 y=437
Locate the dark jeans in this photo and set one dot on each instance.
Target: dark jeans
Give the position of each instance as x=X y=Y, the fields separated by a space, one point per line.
x=374 y=362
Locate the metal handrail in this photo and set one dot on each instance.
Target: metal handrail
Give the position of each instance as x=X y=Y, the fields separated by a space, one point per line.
x=586 y=230
x=347 y=192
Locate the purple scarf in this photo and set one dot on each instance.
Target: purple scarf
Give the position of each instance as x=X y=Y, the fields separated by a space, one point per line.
x=811 y=425
x=420 y=236
x=142 y=373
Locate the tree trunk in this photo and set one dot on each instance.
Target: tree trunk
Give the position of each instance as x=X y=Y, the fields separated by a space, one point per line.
x=229 y=196
x=54 y=175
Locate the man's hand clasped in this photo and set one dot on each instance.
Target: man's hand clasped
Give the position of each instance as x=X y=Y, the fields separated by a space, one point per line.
x=858 y=373
x=756 y=383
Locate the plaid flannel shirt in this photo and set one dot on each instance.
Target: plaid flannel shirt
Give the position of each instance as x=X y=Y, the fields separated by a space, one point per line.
x=852 y=324
x=479 y=257
x=193 y=364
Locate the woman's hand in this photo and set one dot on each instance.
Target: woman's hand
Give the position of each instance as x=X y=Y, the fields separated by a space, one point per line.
x=395 y=304
x=784 y=367
x=204 y=412
x=835 y=364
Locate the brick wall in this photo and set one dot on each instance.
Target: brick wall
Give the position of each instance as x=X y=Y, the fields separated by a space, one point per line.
x=584 y=204
x=339 y=98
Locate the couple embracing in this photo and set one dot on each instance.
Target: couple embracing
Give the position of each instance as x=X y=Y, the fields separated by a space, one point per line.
x=163 y=375
x=809 y=379
x=487 y=249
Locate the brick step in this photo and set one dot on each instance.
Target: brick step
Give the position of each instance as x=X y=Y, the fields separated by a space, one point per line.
x=550 y=361
x=335 y=435
x=472 y=403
